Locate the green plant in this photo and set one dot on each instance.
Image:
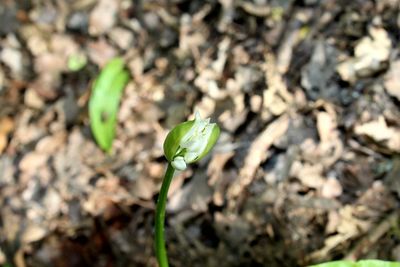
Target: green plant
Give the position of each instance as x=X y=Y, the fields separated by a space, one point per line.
x=362 y=263
x=188 y=142
x=76 y=62
x=104 y=101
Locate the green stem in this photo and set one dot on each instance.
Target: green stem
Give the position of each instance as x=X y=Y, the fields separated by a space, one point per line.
x=161 y=251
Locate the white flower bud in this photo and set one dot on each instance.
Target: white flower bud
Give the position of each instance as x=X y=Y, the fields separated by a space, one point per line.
x=190 y=141
x=179 y=163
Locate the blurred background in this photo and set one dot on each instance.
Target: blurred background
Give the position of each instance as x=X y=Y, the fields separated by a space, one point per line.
x=307 y=168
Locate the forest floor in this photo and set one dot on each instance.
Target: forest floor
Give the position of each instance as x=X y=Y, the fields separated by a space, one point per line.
x=307 y=167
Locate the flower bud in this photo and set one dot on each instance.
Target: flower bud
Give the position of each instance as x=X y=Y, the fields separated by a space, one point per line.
x=190 y=141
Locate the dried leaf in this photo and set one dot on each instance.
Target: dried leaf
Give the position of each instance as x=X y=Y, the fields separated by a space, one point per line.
x=380 y=132
x=6 y=126
x=103 y=17
x=331 y=188
x=33 y=233
x=369 y=55
x=392 y=80
x=258 y=152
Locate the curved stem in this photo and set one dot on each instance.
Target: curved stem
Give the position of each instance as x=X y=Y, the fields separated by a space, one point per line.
x=161 y=251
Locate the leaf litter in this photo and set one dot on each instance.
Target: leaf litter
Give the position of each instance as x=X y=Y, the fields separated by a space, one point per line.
x=307 y=166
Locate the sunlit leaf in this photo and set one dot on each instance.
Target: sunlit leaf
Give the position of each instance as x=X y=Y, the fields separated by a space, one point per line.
x=76 y=62
x=104 y=102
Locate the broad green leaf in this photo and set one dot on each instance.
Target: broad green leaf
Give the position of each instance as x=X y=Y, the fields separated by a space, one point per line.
x=104 y=102
x=363 y=263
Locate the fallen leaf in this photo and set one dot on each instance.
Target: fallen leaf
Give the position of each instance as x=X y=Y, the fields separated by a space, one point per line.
x=258 y=152
x=347 y=227
x=216 y=165
x=32 y=161
x=33 y=233
x=6 y=126
x=326 y=126
x=123 y=38
x=369 y=55
x=330 y=148
x=379 y=131
x=276 y=97
x=53 y=203
x=13 y=59
x=331 y=188
x=392 y=80
x=101 y=52
x=32 y=99
x=310 y=175
x=143 y=188
x=103 y=17
x=195 y=195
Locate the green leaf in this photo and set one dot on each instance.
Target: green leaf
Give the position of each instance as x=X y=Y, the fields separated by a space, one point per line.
x=76 y=62
x=104 y=102
x=363 y=263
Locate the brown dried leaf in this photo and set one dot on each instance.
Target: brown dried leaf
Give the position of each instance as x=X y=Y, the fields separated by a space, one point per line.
x=326 y=126
x=331 y=188
x=13 y=59
x=6 y=126
x=32 y=99
x=309 y=175
x=375 y=202
x=380 y=132
x=258 y=152
x=50 y=144
x=206 y=106
x=33 y=233
x=100 y=52
x=143 y=188
x=377 y=130
x=108 y=191
x=347 y=227
x=32 y=161
x=231 y=120
x=195 y=195
x=103 y=17
x=123 y=38
x=369 y=55
x=276 y=98
x=331 y=147
x=392 y=80
x=52 y=202
x=216 y=166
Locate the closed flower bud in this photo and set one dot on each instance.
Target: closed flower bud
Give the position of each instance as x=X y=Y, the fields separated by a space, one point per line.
x=190 y=141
